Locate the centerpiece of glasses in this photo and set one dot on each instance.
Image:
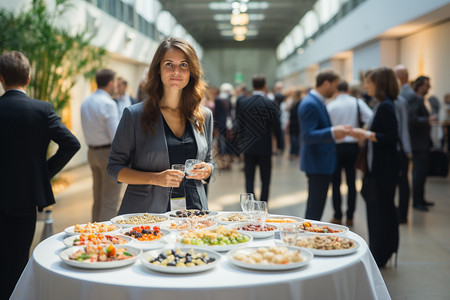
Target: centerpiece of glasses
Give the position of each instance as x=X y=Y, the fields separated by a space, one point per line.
x=257 y=210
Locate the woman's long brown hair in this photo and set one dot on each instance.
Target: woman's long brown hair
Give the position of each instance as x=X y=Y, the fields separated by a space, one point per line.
x=191 y=95
x=386 y=83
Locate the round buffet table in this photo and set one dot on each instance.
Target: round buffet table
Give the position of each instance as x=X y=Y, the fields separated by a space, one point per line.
x=352 y=276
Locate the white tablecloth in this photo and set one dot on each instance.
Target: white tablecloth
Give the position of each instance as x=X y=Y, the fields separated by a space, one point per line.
x=354 y=276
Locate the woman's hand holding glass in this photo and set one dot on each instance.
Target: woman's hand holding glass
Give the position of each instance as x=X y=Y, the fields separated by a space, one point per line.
x=196 y=169
x=171 y=177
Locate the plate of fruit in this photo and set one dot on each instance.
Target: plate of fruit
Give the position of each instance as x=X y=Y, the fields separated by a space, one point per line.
x=147 y=236
x=180 y=260
x=258 y=231
x=217 y=239
x=99 y=256
x=97 y=239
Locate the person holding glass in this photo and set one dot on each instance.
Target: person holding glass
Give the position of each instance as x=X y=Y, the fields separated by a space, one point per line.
x=383 y=163
x=167 y=128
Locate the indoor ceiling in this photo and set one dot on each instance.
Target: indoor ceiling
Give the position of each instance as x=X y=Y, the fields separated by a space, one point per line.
x=208 y=21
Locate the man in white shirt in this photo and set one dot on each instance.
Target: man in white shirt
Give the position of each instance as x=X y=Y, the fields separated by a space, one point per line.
x=346 y=110
x=99 y=118
x=122 y=97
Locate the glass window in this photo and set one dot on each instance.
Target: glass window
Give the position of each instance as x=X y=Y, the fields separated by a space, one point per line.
x=310 y=23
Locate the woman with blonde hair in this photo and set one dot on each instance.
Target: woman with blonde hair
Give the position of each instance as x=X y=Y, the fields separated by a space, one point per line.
x=383 y=165
x=168 y=128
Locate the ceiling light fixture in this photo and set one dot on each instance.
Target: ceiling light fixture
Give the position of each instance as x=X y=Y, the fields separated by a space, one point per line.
x=239 y=38
x=243 y=7
x=241 y=19
x=240 y=30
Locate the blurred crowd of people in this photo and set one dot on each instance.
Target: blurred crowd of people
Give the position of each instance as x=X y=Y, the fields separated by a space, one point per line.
x=387 y=119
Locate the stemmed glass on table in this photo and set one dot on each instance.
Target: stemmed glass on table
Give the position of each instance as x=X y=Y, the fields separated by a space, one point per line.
x=246 y=201
x=260 y=211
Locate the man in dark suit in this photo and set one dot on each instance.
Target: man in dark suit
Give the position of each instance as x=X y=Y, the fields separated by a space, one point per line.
x=419 y=130
x=258 y=118
x=26 y=128
x=406 y=95
x=318 y=152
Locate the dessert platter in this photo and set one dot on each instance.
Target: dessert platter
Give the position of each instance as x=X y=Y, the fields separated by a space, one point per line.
x=180 y=260
x=131 y=220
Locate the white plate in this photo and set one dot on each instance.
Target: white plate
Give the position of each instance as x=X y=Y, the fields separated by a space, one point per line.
x=68 y=241
x=281 y=217
x=180 y=270
x=344 y=229
x=164 y=232
x=127 y=216
x=167 y=224
x=306 y=253
x=70 y=230
x=255 y=234
x=218 y=247
x=171 y=214
x=218 y=218
x=64 y=255
x=331 y=252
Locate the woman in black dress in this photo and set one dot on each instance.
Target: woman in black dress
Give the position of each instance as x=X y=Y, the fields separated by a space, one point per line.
x=383 y=166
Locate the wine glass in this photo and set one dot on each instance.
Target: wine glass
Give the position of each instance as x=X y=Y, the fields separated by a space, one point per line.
x=289 y=233
x=246 y=199
x=260 y=211
x=179 y=167
x=189 y=165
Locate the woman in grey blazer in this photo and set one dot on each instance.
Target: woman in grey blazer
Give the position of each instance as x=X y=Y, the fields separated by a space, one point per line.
x=167 y=128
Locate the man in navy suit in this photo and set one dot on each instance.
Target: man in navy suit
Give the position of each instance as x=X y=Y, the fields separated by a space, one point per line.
x=318 y=152
x=258 y=118
x=26 y=128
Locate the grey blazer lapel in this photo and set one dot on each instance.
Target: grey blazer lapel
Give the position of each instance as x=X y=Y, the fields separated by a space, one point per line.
x=201 y=142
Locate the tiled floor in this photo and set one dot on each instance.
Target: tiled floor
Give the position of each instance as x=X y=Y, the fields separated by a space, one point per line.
x=424 y=256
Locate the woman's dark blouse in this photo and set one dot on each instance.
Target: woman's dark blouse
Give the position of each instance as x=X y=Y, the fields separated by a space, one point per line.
x=181 y=149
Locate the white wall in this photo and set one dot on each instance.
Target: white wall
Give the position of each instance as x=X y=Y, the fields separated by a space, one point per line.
x=427 y=53
x=365 y=58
